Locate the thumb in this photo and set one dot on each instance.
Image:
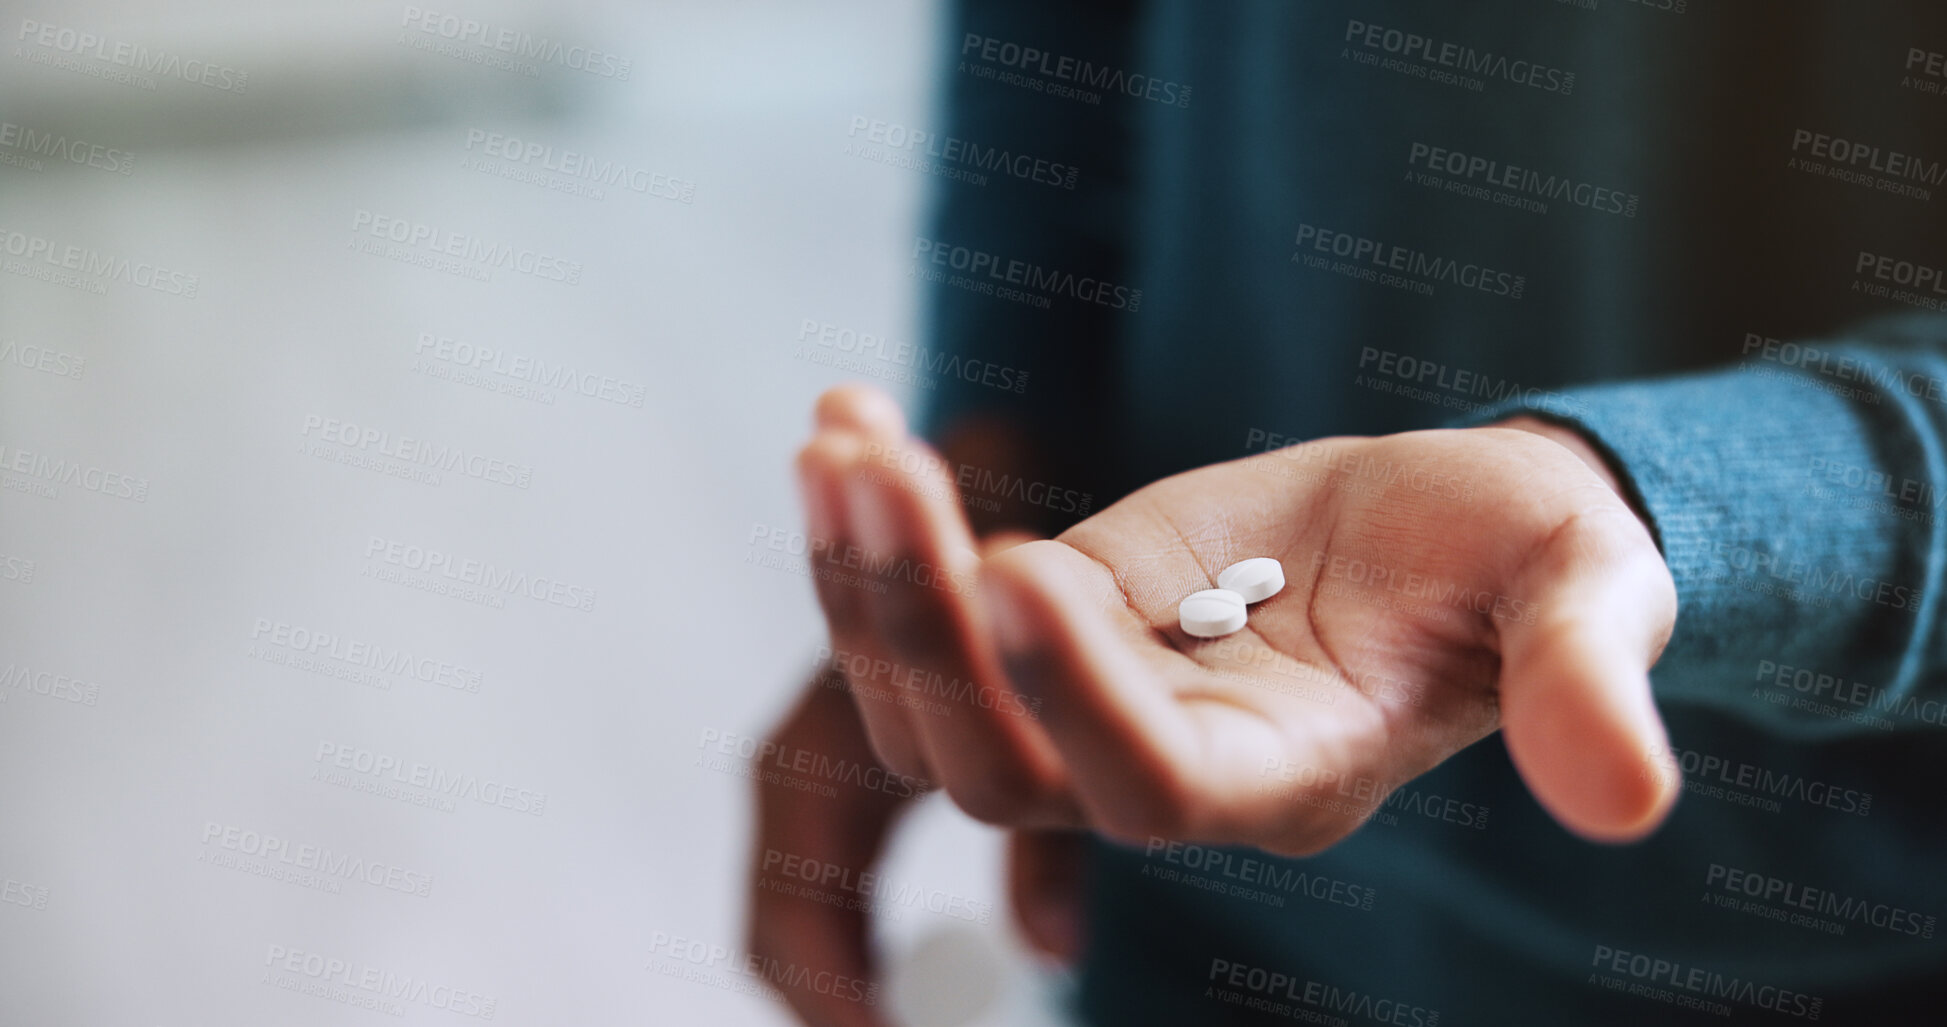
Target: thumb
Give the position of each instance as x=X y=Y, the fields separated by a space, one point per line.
x=820 y=934
x=1576 y=710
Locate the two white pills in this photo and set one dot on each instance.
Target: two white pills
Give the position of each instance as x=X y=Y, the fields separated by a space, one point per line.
x=1216 y=612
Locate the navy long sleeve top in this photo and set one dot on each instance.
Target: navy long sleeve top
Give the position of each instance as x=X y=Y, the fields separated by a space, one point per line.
x=1712 y=237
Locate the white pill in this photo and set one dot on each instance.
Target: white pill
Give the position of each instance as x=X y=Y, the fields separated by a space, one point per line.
x=1211 y=613
x=1255 y=579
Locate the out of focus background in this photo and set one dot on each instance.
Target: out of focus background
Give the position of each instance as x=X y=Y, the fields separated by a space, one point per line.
x=396 y=404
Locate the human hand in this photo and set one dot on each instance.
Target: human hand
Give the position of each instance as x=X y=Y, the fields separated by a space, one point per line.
x=1442 y=585
x=849 y=829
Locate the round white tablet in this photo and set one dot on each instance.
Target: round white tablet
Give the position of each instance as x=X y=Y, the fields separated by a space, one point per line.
x=1211 y=613
x=1257 y=578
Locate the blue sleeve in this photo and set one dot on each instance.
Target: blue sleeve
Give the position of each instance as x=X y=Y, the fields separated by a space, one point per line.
x=1796 y=500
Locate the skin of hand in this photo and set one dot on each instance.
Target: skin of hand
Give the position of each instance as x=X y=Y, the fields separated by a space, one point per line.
x=1441 y=585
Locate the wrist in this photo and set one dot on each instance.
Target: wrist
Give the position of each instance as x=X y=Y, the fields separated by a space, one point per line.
x=1578 y=444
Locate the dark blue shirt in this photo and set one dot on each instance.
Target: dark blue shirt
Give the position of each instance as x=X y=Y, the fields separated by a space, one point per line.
x=1708 y=235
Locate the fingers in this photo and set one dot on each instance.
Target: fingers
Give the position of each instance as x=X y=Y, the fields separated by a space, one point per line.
x=978 y=735
x=1576 y=708
x=1137 y=761
x=797 y=829
x=825 y=465
x=925 y=677
x=1045 y=887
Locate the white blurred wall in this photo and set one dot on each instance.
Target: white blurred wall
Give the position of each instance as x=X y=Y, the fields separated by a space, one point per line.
x=152 y=727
